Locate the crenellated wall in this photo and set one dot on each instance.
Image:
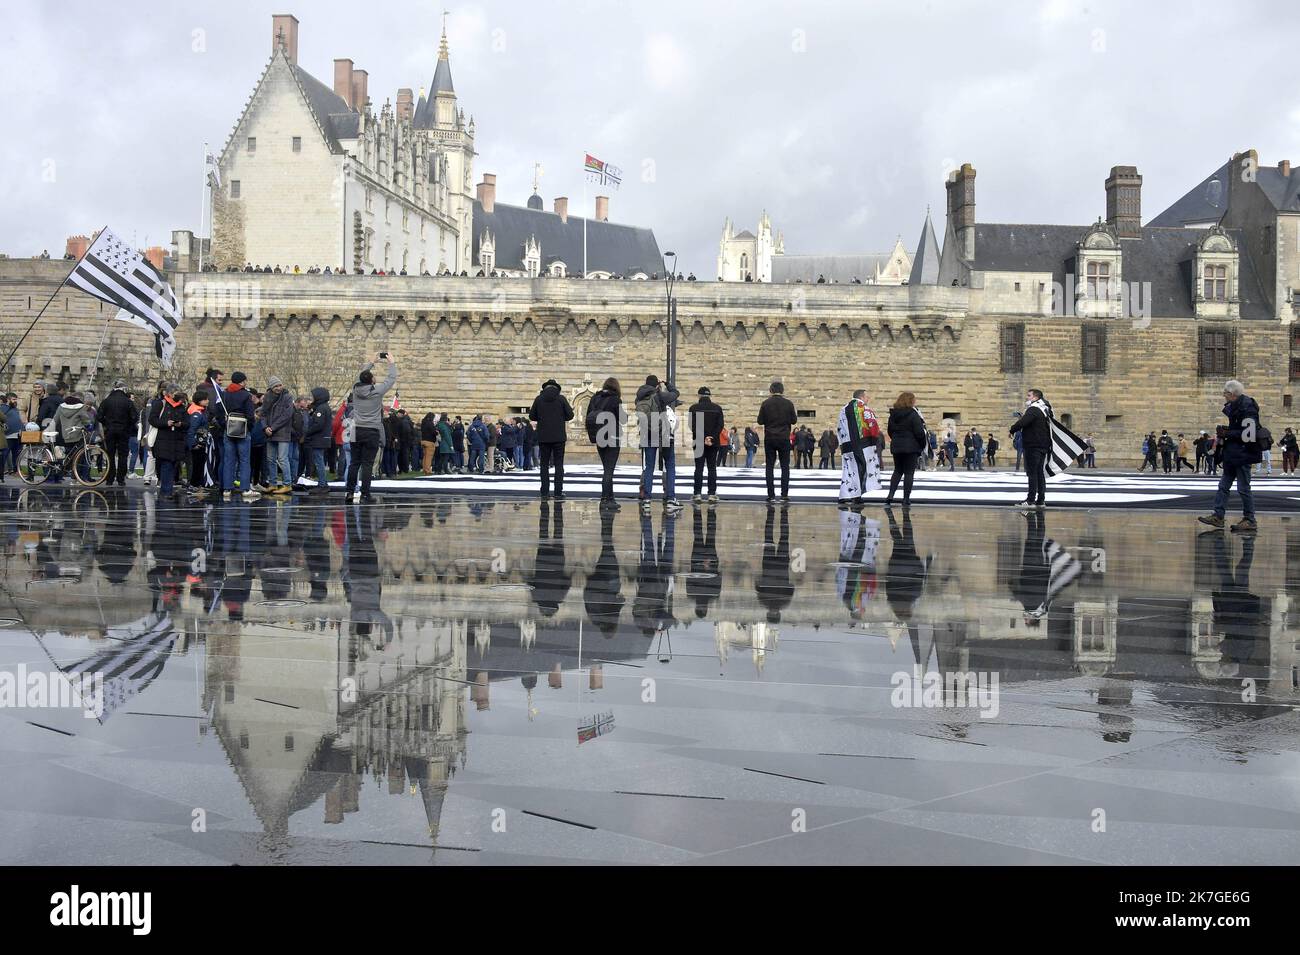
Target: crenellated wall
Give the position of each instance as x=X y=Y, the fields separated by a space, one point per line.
x=467 y=345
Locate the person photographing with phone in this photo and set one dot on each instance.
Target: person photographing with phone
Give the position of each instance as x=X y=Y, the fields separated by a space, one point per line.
x=368 y=415
x=706 y=420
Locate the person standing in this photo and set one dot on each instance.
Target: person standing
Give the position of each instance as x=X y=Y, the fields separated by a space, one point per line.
x=652 y=400
x=458 y=444
x=444 y=458
x=1018 y=443
x=776 y=416
x=368 y=414
x=13 y=422
x=605 y=421
x=117 y=419
x=428 y=442
x=172 y=423
x=1090 y=453
x=1035 y=426
x=318 y=435
x=1290 y=451
x=277 y=425
x=907 y=442
x=859 y=432
x=1166 y=447
x=1200 y=445
x=826 y=444
x=1241 y=448
x=706 y=419
x=991 y=450
x=977 y=449
x=477 y=434
x=198 y=443
x=751 y=445
x=236 y=414
x=552 y=412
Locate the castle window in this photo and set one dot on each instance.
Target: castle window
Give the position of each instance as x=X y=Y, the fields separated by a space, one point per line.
x=1094 y=350
x=1295 y=352
x=297 y=144
x=1099 y=280
x=252 y=144
x=234 y=189
x=1013 y=348
x=1216 y=353
x=1216 y=282
x=370 y=200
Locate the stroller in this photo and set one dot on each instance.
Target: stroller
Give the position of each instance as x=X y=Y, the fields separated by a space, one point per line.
x=502 y=463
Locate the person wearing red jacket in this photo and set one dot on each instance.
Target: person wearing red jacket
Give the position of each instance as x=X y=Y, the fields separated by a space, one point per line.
x=340 y=449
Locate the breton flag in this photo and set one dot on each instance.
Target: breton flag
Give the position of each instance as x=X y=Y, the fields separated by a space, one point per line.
x=1063 y=568
x=214 y=171
x=134 y=656
x=602 y=172
x=1067 y=447
x=113 y=272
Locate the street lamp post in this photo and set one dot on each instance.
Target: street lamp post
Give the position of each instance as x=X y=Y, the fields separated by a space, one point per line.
x=670 y=371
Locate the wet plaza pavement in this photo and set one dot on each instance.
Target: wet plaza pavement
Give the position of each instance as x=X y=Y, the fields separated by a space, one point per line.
x=460 y=681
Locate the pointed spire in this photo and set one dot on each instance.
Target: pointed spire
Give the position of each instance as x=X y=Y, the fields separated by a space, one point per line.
x=925 y=264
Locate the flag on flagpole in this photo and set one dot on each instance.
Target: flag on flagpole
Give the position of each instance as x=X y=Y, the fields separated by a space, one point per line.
x=602 y=172
x=113 y=272
x=397 y=403
x=214 y=171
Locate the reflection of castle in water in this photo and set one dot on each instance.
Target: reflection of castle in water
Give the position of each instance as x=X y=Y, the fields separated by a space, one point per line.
x=346 y=644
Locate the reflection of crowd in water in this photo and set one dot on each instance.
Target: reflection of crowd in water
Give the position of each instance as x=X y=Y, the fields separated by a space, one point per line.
x=290 y=552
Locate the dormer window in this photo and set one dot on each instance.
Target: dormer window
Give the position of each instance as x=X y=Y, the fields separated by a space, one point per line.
x=1099 y=262
x=1215 y=268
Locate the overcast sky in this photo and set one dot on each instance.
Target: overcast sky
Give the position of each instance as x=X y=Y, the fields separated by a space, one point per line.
x=840 y=118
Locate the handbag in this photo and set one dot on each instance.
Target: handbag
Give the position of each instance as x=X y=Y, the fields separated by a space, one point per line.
x=236 y=426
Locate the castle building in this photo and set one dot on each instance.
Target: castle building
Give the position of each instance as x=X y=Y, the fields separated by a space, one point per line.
x=746 y=257
x=518 y=241
x=312 y=175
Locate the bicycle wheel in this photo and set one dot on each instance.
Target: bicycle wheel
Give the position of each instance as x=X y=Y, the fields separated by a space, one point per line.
x=90 y=465
x=35 y=464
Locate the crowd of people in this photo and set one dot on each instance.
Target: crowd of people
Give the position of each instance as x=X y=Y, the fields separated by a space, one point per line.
x=233 y=440
x=444 y=271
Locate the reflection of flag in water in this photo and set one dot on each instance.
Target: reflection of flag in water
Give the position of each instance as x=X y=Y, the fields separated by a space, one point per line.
x=855 y=574
x=134 y=658
x=593 y=726
x=602 y=172
x=1062 y=568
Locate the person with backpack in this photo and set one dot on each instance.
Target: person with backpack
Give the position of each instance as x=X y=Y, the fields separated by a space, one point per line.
x=652 y=400
x=1242 y=446
x=236 y=412
x=605 y=420
x=1265 y=465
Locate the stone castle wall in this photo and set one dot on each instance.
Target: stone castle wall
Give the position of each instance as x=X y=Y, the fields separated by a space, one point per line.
x=479 y=345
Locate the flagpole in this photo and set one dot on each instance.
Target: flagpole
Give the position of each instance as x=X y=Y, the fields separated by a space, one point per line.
x=203 y=203
x=56 y=291
x=585 y=214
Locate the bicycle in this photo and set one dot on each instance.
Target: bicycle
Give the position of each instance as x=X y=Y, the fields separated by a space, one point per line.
x=38 y=463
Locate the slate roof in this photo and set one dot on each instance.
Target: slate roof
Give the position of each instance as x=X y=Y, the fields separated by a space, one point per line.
x=1206 y=202
x=838 y=268
x=1162 y=257
x=611 y=247
x=925 y=263
x=332 y=111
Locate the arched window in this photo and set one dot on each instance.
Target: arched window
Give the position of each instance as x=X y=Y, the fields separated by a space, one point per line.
x=744 y=263
x=388 y=251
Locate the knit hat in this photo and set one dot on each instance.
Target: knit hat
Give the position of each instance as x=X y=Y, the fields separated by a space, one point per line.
x=273 y=382
x=705 y=392
x=550 y=383
x=119 y=385
x=239 y=378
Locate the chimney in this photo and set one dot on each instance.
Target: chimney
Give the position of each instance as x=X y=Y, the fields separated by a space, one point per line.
x=1124 y=201
x=360 y=82
x=343 y=80
x=284 y=32
x=405 y=109
x=1284 y=167
x=562 y=208
x=487 y=192
x=602 y=208
x=961 y=209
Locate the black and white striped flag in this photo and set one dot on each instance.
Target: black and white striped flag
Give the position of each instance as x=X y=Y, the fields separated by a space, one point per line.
x=1063 y=568
x=114 y=272
x=1067 y=446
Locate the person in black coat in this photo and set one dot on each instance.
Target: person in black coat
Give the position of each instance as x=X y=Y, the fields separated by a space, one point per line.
x=1035 y=430
x=706 y=422
x=552 y=412
x=117 y=418
x=170 y=418
x=907 y=442
x=605 y=421
x=318 y=435
x=1238 y=449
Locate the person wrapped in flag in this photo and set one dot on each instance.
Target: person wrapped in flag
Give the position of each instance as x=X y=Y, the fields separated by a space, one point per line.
x=1049 y=447
x=859 y=434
